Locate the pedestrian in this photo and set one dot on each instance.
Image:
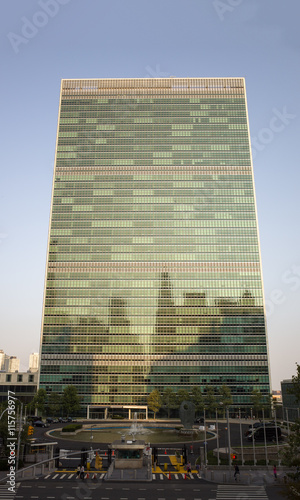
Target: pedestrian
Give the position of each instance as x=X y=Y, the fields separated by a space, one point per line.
x=188 y=467
x=275 y=472
x=78 y=472
x=236 y=472
x=82 y=472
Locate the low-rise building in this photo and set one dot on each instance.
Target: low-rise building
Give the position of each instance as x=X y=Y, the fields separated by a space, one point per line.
x=22 y=384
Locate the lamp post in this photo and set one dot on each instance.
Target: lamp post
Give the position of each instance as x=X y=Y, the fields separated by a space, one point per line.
x=19 y=435
x=276 y=432
x=253 y=440
x=265 y=437
x=205 y=443
x=217 y=431
x=228 y=438
x=241 y=437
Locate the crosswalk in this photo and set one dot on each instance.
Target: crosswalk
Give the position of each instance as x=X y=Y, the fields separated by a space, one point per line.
x=99 y=476
x=72 y=475
x=239 y=492
x=5 y=493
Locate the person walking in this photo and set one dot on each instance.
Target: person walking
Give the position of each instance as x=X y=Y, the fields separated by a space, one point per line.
x=275 y=472
x=236 y=472
x=78 y=472
x=82 y=473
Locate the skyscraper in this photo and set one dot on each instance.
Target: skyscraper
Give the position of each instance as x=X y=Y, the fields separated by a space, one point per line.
x=153 y=272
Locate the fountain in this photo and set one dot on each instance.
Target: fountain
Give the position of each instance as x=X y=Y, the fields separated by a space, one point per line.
x=152 y=432
x=136 y=428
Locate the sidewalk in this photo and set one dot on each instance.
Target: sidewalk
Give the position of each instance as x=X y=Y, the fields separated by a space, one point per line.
x=248 y=475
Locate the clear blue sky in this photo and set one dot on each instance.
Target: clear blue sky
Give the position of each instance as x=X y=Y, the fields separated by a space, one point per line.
x=43 y=41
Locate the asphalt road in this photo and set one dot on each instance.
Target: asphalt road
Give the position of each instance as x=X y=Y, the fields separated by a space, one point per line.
x=76 y=490
x=211 y=443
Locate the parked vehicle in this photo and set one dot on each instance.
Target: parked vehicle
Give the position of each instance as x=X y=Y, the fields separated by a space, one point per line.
x=256 y=425
x=259 y=433
x=39 y=423
x=33 y=418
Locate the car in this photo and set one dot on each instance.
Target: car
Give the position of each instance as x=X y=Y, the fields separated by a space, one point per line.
x=51 y=420
x=257 y=425
x=33 y=418
x=199 y=420
x=62 y=420
x=270 y=433
x=39 y=423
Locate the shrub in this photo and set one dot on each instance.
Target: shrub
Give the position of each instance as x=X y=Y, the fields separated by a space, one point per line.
x=71 y=427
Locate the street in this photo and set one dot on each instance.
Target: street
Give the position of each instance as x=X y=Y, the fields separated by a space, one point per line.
x=70 y=490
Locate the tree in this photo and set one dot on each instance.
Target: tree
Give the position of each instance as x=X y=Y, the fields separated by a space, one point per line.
x=256 y=400
x=154 y=401
x=197 y=399
x=295 y=389
x=39 y=401
x=71 y=400
x=210 y=400
x=225 y=398
x=268 y=406
x=291 y=453
x=169 y=399
x=55 y=403
x=6 y=433
x=182 y=395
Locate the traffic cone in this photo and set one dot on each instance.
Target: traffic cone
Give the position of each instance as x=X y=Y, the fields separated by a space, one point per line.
x=87 y=476
x=113 y=453
x=94 y=476
x=105 y=453
x=184 y=476
x=165 y=451
x=170 y=475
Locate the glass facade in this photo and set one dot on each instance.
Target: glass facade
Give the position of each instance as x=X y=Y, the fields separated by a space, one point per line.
x=153 y=272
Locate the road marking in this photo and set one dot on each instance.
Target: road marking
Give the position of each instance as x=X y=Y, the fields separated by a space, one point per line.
x=61 y=477
x=176 y=476
x=153 y=476
x=46 y=477
x=161 y=476
x=55 y=476
x=235 y=492
x=71 y=475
